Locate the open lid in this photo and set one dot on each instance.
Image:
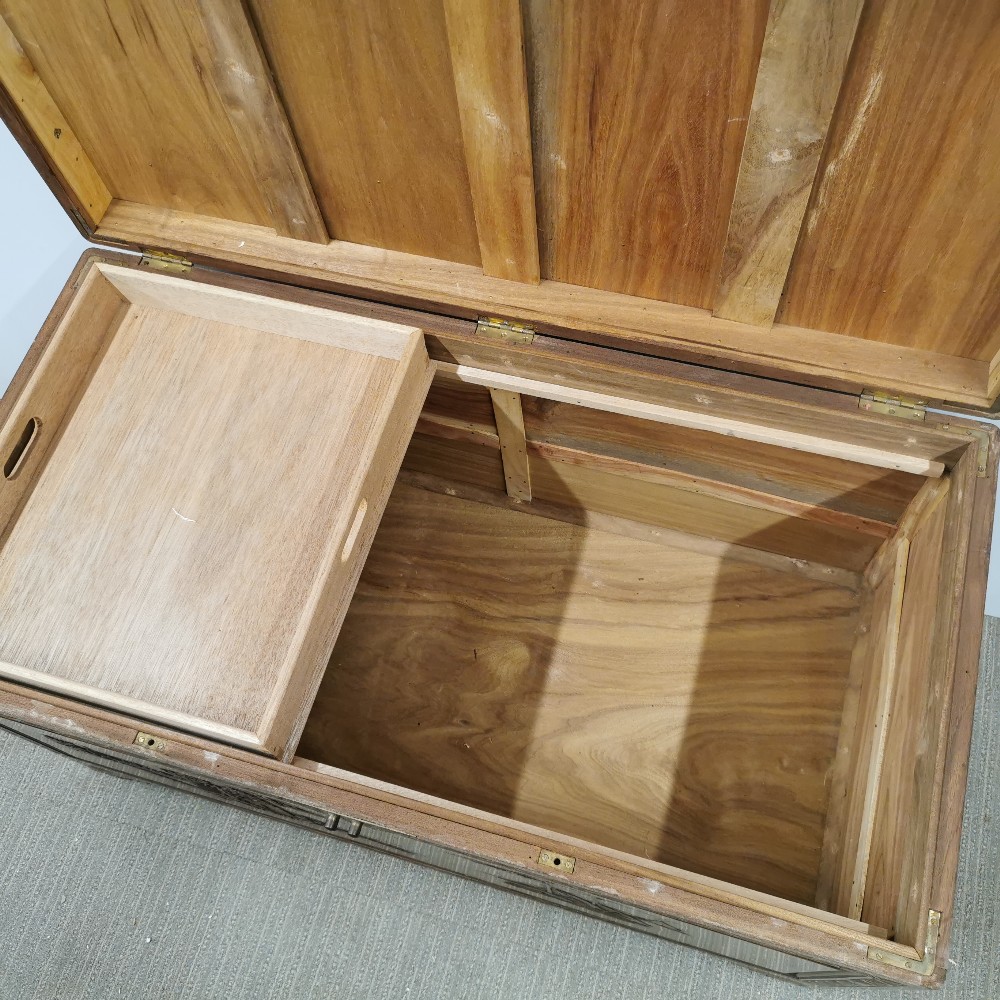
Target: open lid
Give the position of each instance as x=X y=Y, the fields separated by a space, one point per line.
x=810 y=193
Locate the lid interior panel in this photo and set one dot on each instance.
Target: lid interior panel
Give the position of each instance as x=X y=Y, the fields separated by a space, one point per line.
x=803 y=189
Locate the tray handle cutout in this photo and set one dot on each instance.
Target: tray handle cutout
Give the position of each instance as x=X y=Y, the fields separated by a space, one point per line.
x=22 y=449
x=352 y=535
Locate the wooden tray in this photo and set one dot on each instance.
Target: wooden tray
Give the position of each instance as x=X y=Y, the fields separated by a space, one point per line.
x=192 y=480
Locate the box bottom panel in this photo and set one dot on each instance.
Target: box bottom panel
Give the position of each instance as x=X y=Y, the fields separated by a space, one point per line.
x=678 y=702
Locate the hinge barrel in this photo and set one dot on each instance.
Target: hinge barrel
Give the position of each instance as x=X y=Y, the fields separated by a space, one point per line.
x=893 y=406
x=505 y=330
x=157 y=260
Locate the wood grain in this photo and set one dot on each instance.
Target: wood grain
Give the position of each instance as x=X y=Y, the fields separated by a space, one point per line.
x=194 y=590
x=578 y=677
x=590 y=315
x=513 y=445
x=487 y=58
x=638 y=113
x=907 y=739
x=71 y=162
x=369 y=89
x=244 y=82
x=798 y=79
x=811 y=480
x=902 y=241
x=172 y=102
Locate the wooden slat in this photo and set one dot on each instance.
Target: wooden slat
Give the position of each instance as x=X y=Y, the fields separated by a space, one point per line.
x=798 y=79
x=902 y=240
x=622 y=321
x=371 y=95
x=638 y=111
x=42 y=115
x=244 y=81
x=487 y=58
x=513 y=446
x=902 y=817
x=870 y=738
x=819 y=440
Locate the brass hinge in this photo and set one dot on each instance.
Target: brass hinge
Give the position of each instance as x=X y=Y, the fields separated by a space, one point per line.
x=893 y=406
x=502 y=329
x=921 y=966
x=157 y=260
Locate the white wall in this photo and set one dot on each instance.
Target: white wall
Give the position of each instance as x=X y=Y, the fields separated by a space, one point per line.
x=38 y=249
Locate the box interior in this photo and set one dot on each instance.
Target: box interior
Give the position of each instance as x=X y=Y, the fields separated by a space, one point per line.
x=701 y=654
x=684 y=647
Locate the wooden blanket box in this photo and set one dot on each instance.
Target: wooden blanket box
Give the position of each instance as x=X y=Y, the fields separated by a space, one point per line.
x=515 y=442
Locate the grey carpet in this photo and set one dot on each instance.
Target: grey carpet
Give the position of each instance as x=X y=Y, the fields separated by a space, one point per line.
x=111 y=888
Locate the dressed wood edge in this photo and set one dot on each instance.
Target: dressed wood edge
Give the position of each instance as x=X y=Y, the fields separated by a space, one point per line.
x=142 y=710
x=344 y=559
x=799 y=75
x=73 y=167
x=763 y=433
x=882 y=693
x=261 y=312
x=624 y=321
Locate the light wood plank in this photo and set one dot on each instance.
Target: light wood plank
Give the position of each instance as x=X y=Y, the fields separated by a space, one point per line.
x=42 y=115
x=371 y=95
x=513 y=446
x=638 y=112
x=188 y=550
x=564 y=701
x=487 y=59
x=798 y=79
x=243 y=78
x=785 y=437
x=871 y=737
x=623 y=321
x=910 y=178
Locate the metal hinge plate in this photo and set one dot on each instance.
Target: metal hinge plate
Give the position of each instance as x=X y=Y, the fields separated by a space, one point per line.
x=156 y=260
x=893 y=406
x=505 y=330
x=561 y=862
x=149 y=742
x=921 y=966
